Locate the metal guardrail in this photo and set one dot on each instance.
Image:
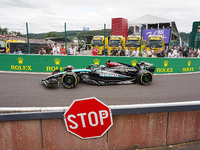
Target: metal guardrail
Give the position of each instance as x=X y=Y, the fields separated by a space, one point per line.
x=116 y=110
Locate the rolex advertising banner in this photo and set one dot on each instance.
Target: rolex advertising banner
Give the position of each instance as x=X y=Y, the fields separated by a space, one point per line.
x=50 y=63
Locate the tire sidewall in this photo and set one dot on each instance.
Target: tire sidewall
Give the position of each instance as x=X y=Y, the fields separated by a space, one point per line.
x=70 y=74
x=140 y=75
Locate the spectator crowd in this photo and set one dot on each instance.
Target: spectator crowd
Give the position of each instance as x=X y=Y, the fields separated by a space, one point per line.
x=172 y=52
x=50 y=48
x=58 y=50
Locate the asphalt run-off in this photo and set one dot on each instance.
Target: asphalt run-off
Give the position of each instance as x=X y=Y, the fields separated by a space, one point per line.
x=27 y=90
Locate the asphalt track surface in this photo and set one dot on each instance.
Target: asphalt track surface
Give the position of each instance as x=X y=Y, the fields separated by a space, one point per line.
x=27 y=90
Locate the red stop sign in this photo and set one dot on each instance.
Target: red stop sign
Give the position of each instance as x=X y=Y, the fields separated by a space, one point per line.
x=88 y=118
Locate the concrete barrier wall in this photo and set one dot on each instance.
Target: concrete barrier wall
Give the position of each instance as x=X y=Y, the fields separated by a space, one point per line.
x=50 y=63
x=128 y=132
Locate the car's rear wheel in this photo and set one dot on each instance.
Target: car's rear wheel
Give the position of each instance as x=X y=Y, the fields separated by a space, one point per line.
x=69 y=80
x=144 y=77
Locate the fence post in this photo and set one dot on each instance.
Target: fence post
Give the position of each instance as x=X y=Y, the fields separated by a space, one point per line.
x=169 y=41
x=104 y=38
x=65 y=38
x=27 y=38
x=141 y=41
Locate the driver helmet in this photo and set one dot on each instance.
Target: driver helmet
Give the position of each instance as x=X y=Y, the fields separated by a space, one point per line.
x=102 y=67
x=69 y=68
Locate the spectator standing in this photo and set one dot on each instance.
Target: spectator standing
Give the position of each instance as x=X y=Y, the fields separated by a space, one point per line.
x=179 y=54
x=144 y=53
x=42 y=51
x=105 y=51
x=94 y=51
x=17 y=51
x=72 y=50
x=175 y=52
x=2 y=50
x=151 y=53
x=170 y=54
x=113 y=52
x=79 y=48
x=195 y=48
x=185 y=52
x=128 y=51
x=198 y=51
x=191 y=53
x=120 y=51
x=135 y=53
x=161 y=53
x=195 y=53
x=62 y=50
x=56 y=49
x=48 y=49
x=68 y=50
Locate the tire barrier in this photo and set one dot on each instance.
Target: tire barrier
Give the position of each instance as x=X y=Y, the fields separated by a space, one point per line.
x=50 y=63
x=134 y=126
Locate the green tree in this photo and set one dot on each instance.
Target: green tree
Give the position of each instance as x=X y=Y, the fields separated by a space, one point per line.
x=82 y=34
x=0 y=30
x=5 y=31
x=19 y=34
x=51 y=34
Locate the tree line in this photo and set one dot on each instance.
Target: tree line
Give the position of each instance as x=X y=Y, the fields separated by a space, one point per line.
x=71 y=34
x=6 y=31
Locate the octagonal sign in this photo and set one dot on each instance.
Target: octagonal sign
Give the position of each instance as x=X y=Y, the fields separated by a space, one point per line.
x=88 y=118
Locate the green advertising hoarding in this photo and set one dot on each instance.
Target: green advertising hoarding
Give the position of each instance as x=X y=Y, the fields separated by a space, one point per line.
x=49 y=63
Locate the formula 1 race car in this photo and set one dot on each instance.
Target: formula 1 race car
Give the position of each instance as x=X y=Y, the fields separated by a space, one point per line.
x=112 y=73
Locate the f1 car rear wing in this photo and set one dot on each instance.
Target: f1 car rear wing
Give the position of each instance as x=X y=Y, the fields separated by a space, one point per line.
x=146 y=66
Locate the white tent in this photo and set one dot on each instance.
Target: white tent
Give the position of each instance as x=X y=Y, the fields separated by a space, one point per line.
x=150 y=21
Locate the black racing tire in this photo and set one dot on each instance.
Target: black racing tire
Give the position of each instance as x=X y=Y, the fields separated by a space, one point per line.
x=144 y=77
x=69 y=80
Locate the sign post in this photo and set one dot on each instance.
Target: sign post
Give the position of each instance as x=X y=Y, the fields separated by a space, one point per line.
x=88 y=118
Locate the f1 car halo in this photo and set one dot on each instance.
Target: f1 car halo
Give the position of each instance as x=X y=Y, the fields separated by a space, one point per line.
x=112 y=73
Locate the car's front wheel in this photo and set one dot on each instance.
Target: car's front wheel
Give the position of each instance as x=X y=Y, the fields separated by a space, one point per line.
x=69 y=80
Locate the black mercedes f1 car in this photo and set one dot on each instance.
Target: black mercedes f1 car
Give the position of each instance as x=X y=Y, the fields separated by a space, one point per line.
x=112 y=73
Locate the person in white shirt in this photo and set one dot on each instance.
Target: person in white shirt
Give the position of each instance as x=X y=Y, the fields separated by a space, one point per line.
x=151 y=53
x=175 y=52
x=55 y=50
x=128 y=51
x=198 y=52
x=170 y=54
x=144 y=53
x=135 y=53
x=72 y=50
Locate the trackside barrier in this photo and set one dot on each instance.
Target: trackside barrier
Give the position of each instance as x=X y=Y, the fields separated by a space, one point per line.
x=134 y=126
x=49 y=63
